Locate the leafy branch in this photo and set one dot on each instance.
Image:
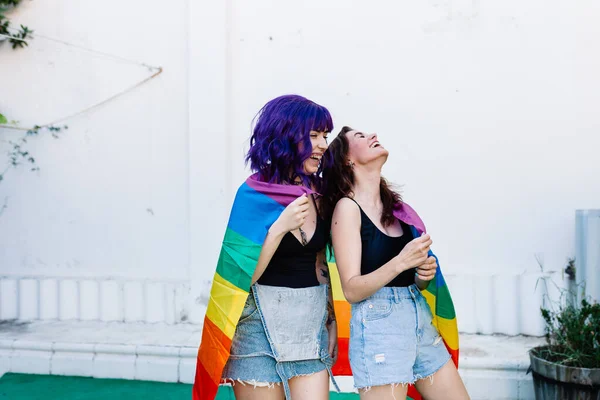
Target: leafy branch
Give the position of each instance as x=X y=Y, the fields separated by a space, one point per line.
x=18 y=154
x=18 y=39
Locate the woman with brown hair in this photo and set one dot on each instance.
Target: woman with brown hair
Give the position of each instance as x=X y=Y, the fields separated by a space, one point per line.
x=385 y=265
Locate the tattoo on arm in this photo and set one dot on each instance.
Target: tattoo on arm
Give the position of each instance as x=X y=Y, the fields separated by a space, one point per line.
x=330 y=312
x=322 y=269
x=325 y=271
x=324 y=278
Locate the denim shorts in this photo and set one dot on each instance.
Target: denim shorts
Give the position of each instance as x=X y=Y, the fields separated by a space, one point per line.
x=393 y=340
x=252 y=359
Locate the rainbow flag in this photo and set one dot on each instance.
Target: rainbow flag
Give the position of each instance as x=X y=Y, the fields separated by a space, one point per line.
x=256 y=206
x=437 y=295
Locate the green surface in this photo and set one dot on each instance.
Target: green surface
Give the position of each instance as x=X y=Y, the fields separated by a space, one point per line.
x=51 y=387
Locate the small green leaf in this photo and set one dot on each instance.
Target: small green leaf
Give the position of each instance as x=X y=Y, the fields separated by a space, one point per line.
x=3 y=119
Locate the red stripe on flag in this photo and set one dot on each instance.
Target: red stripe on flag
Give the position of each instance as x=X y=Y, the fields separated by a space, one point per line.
x=412 y=392
x=342 y=365
x=453 y=354
x=204 y=388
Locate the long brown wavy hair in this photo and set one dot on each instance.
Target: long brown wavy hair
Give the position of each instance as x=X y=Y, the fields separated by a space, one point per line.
x=338 y=177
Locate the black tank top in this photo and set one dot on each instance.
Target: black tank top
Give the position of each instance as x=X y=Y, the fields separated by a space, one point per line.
x=294 y=265
x=379 y=248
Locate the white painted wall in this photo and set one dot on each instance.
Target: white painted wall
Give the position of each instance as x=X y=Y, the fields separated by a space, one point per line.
x=111 y=195
x=489 y=110
x=110 y=203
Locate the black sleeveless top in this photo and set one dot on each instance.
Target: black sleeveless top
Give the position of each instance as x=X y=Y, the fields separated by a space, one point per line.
x=294 y=265
x=379 y=248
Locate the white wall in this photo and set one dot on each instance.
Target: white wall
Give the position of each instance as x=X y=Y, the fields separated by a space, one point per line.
x=481 y=103
x=111 y=198
x=489 y=110
x=87 y=210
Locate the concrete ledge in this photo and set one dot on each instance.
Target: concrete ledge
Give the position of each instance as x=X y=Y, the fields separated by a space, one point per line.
x=157 y=352
x=492 y=366
x=495 y=366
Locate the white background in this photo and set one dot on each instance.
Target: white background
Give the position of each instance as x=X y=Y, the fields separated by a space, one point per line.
x=489 y=109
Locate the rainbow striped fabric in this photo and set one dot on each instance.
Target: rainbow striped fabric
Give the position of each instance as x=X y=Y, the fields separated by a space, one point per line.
x=437 y=295
x=257 y=205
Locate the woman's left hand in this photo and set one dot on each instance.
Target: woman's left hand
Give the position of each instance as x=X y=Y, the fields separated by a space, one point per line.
x=333 y=347
x=426 y=272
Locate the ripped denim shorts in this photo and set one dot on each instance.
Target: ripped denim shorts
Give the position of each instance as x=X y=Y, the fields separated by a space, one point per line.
x=393 y=340
x=254 y=359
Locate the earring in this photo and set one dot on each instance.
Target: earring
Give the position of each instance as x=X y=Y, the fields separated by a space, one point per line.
x=351 y=164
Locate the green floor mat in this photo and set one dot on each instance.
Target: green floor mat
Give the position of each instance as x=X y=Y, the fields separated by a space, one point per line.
x=52 y=387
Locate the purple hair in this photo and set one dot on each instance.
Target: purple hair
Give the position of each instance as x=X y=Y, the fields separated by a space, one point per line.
x=280 y=142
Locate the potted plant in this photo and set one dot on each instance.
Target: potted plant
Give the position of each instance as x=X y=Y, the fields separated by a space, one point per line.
x=568 y=366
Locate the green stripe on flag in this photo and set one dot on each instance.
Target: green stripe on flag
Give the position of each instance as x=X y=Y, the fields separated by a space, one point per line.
x=238 y=259
x=443 y=303
x=432 y=287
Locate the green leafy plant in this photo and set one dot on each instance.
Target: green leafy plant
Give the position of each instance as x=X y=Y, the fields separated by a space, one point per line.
x=573 y=335
x=18 y=154
x=17 y=39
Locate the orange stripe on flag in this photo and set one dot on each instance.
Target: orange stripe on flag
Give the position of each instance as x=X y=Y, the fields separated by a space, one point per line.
x=214 y=350
x=343 y=313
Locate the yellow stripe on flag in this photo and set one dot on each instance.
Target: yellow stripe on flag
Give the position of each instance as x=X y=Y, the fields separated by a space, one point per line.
x=430 y=300
x=446 y=327
x=225 y=305
x=448 y=330
x=336 y=283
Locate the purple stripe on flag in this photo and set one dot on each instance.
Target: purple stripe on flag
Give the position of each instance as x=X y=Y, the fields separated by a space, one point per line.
x=283 y=194
x=406 y=214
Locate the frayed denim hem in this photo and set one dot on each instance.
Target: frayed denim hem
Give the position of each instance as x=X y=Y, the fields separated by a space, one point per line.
x=252 y=382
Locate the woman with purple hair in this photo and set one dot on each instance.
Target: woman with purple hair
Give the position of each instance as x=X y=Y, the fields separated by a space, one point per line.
x=285 y=339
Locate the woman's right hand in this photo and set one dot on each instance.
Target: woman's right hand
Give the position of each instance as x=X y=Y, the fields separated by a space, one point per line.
x=293 y=216
x=415 y=253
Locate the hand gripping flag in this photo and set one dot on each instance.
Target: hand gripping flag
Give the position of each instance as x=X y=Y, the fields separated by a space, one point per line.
x=437 y=295
x=256 y=207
